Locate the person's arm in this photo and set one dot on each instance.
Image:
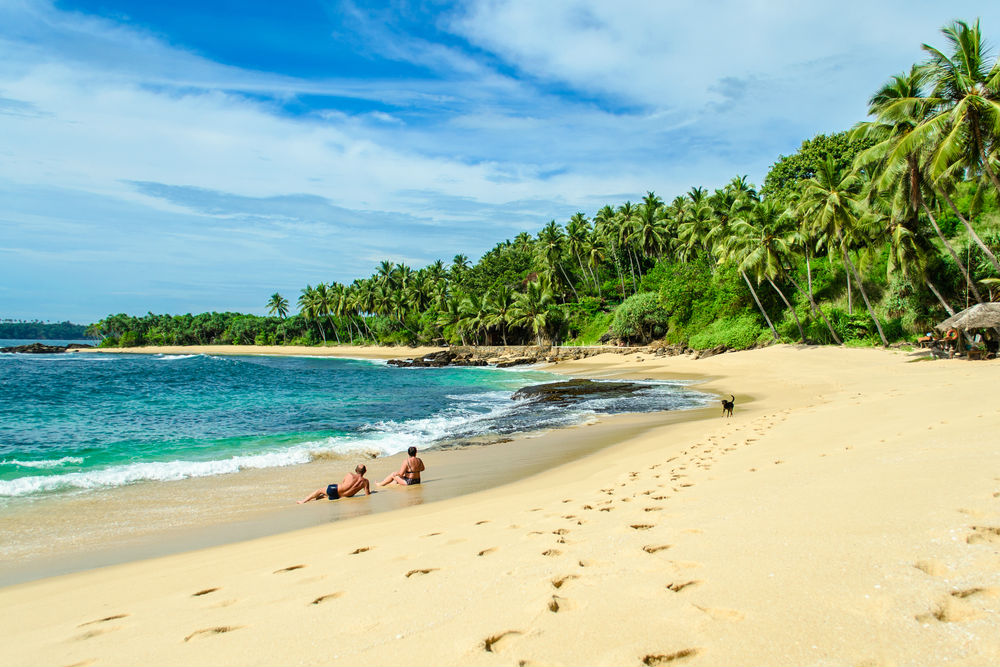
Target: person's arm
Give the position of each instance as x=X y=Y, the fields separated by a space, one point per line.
x=402 y=469
x=368 y=490
x=420 y=462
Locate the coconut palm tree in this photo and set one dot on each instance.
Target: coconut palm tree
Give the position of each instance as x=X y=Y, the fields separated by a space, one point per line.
x=499 y=306
x=577 y=233
x=759 y=243
x=649 y=228
x=277 y=305
x=830 y=203
x=310 y=310
x=606 y=227
x=550 y=240
x=531 y=309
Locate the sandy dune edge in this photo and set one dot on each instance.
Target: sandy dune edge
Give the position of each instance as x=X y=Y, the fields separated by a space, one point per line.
x=850 y=514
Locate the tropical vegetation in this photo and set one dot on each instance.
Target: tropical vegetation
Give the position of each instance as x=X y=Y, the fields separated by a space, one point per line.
x=899 y=210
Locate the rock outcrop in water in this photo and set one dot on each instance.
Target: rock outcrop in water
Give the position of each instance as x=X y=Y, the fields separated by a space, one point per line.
x=438 y=360
x=41 y=348
x=570 y=391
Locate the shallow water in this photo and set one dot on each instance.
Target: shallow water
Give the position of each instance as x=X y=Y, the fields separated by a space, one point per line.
x=78 y=422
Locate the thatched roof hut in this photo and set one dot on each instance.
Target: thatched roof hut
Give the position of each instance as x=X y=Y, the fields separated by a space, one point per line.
x=980 y=316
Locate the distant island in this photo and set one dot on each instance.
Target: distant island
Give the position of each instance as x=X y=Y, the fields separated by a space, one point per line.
x=39 y=330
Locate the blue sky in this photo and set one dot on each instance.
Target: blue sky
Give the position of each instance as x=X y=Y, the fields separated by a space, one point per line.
x=191 y=156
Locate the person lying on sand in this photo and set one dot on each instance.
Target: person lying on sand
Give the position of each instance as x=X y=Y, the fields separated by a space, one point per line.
x=409 y=472
x=353 y=482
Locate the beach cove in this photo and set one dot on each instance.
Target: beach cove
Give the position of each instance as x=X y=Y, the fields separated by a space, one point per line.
x=847 y=513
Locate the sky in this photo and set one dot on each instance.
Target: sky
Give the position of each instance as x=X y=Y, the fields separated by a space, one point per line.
x=195 y=156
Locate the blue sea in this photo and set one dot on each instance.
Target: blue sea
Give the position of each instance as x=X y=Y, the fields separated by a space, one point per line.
x=78 y=422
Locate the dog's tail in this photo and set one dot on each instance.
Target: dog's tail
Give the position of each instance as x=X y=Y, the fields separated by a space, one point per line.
x=732 y=399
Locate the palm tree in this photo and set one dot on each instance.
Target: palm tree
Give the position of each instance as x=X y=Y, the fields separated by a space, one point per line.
x=532 y=308
x=277 y=305
x=499 y=306
x=550 y=240
x=309 y=308
x=964 y=122
x=761 y=241
x=899 y=166
x=830 y=203
x=324 y=305
x=649 y=227
x=577 y=232
x=605 y=226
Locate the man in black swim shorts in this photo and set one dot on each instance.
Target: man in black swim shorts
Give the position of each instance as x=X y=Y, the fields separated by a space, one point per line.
x=351 y=484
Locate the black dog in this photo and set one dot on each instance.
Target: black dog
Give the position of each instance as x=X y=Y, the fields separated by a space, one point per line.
x=727 y=406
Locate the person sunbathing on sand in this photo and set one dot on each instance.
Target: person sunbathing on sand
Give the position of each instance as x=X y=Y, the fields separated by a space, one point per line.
x=353 y=482
x=409 y=473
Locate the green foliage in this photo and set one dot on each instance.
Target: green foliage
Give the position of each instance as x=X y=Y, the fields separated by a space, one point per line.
x=737 y=333
x=640 y=318
x=43 y=330
x=785 y=175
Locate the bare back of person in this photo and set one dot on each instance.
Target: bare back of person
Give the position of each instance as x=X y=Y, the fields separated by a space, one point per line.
x=409 y=473
x=352 y=483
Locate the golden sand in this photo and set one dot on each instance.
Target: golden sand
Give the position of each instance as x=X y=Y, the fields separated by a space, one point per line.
x=848 y=513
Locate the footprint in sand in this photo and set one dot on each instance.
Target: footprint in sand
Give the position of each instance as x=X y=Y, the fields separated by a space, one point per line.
x=430 y=534
x=103 y=620
x=654 y=659
x=951 y=610
x=933 y=567
x=490 y=643
x=560 y=531
x=361 y=550
x=653 y=548
x=677 y=587
x=641 y=526
x=559 y=582
x=557 y=604
x=204 y=592
x=208 y=632
x=984 y=535
x=427 y=571
x=486 y=552
x=652 y=509
x=551 y=552
x=288 y=569
x=479 y=523
x=722 y=614
x=324 y=598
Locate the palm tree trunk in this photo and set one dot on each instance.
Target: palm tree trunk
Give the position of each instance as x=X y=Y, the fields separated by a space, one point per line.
x=861 y=287
x=334 y=326
x=809 y=275
x=954 y=255
x=757 y=301
x=972 y=232
x=815 y=309
x=850 y=301
x=319 y=323
x=802 y=334
x=618 y=267
x=568 y=281
x=944 y=304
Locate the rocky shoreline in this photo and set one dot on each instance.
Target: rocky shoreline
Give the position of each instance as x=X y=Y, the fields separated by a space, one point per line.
x=505 y=357
x=41 y=348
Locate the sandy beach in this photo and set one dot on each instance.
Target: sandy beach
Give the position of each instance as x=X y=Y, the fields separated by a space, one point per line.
x=848 y=513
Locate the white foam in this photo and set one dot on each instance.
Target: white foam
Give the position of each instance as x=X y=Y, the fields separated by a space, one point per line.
x=173 y=357
x=52 y=463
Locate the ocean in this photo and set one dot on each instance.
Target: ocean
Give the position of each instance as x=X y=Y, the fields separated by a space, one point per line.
x=75 y=423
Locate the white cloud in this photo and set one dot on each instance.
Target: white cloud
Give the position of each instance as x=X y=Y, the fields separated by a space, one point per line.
x=607 y=99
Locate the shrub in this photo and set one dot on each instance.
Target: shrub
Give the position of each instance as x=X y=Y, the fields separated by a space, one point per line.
x=738 y=333
x=640 y=318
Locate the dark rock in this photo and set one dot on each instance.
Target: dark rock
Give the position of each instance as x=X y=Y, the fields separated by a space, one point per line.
x=573 y=390
x=516 y=361
x=432 y=360
x=36 y=348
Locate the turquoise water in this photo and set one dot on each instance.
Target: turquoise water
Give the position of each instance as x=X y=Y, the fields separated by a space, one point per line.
x=86 y=421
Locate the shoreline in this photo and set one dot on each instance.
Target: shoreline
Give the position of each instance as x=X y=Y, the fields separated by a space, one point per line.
x=66 y=533
x=848 y=515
